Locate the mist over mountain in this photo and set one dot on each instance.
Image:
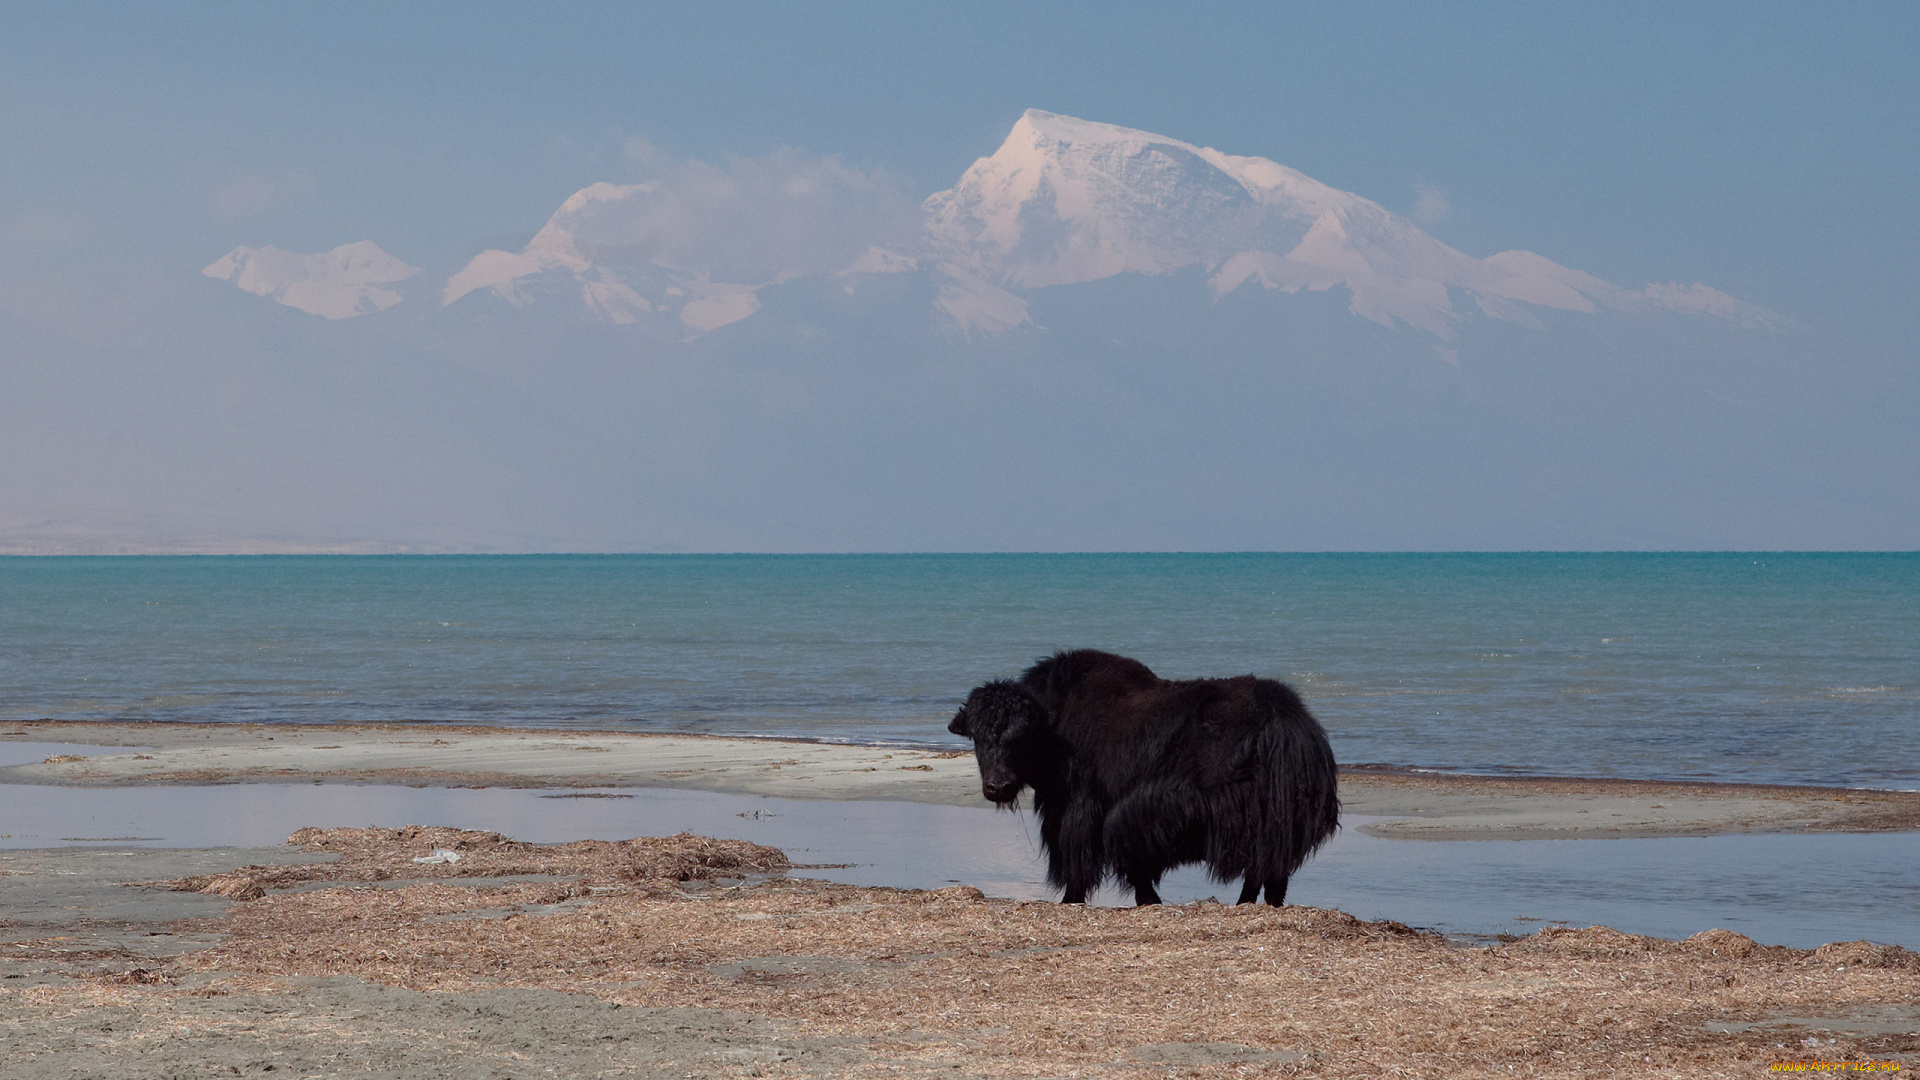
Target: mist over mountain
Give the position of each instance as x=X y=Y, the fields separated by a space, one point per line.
x=1096 y=339
x=352 y=279
x=1063 y=201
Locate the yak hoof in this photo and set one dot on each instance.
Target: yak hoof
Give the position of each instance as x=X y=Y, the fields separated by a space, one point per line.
x=1276 y=893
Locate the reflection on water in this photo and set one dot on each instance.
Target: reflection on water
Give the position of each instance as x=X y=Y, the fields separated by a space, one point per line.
x=1778 y=889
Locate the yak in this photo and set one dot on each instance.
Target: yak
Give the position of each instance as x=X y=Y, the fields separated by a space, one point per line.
x=1133 y=774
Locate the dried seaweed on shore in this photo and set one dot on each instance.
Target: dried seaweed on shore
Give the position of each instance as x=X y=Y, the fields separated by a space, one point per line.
x=376 y=854
x=928 y=980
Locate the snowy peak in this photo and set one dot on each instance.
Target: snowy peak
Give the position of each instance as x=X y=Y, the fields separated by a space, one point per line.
x=579 y=251
x=1065 y=200
x=350 y=280
x=601 y=248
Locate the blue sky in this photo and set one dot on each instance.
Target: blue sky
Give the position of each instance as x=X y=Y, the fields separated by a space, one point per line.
x=1767 y=149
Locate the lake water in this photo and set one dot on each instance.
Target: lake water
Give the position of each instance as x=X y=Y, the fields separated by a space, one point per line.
x=1798 y=668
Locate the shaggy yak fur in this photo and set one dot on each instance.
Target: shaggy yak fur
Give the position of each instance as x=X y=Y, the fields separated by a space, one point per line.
x=1133 y=774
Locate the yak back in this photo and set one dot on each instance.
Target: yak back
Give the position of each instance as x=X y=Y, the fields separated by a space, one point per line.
x=1085 y=672
x=1123 y=724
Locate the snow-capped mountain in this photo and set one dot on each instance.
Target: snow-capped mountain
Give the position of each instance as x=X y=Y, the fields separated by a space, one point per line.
x=691 y=250
x=1066 y=201
x=595 y=247
x=339 y=284
x=1063 y=201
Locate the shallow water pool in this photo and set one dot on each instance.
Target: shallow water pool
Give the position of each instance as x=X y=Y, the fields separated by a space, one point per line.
x=1779 y=889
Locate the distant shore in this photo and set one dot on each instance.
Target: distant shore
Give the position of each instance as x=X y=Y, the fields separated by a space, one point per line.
x=1415 y=805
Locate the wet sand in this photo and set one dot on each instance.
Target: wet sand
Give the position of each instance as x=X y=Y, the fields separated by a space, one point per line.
x=339 y=954
x=1413 y=805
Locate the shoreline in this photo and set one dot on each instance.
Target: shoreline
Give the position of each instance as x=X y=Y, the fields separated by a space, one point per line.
x=1413 y=804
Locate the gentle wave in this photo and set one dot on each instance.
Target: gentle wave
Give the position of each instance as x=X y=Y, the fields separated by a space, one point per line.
x=1786 y=669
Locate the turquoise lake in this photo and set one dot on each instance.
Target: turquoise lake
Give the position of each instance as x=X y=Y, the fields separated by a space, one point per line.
x=1794 y=668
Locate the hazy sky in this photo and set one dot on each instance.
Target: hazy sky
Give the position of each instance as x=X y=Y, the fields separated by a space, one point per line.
x=1767 y=149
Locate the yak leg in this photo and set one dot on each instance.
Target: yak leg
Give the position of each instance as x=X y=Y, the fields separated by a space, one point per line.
x=1276 y=891
x=1077 y=856
x=1148 y=831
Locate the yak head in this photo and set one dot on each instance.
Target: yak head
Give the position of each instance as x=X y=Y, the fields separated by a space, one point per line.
x=1005 y=722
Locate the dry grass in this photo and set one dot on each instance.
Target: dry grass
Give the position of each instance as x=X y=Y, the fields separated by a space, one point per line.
x=1039 y=987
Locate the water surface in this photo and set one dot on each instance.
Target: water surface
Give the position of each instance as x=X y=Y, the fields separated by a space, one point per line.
x=1799 y=668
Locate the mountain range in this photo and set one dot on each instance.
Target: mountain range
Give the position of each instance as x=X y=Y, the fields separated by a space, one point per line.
x=1063 y=201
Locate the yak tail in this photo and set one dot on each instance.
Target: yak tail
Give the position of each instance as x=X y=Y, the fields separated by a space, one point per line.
x=1299 y=784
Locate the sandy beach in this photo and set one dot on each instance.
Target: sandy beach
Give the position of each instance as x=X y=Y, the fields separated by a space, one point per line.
x=1415 y=805
x=340 y=952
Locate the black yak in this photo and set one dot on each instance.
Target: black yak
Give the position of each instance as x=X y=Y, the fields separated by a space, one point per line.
x=1133 y=774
